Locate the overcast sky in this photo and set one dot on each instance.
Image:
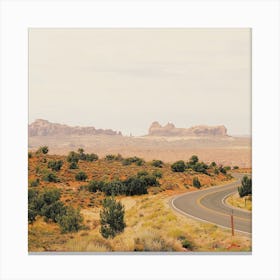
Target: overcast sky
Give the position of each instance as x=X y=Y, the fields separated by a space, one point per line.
x=124 y=79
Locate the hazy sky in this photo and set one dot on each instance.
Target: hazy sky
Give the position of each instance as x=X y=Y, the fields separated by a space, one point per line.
x=124 y=79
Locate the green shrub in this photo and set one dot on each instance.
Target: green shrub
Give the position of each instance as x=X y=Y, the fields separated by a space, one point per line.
x=126 y=162
x=222 y=170
x=111 y=218
x=157 y=163
x=142 y=173
x=47 y=204
x=29 y=155
x=32 y=213
x=35 y=201
x=54 y=211
x=34 y=183
x=187 y=244
x=246 y=187
x=197 y=166
x=138 y=161
x=95 y=186
x=43 y=150
x=178 y=166
x=110 y=157
x=157 y=174
x=73 y=165
x=50 y=177
x=73 y=157
x=81 y=176
x=39 y=202
x=71 y=221
x=113 y=188
x=200 y=167
x=213 y=164
x=55 y=165
x=135 y=186
x=235 y=167
x=150 y=180
x=50 y=195
x=91 y=157
x=196 y=182
x=193 y=160
x=82 y=156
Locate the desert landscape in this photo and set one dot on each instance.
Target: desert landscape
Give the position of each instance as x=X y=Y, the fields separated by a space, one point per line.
x=166 y=143
x=150 y=223
x=139 y=140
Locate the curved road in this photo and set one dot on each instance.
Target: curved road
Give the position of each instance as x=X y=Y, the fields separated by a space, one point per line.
x=208 y=206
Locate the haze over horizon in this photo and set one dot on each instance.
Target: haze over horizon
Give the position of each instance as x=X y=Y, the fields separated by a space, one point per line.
x=124 y=79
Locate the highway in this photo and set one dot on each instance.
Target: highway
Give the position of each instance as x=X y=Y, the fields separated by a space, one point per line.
x=209 y=205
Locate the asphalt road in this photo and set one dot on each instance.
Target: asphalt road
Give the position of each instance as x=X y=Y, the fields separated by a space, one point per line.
x=208 y=206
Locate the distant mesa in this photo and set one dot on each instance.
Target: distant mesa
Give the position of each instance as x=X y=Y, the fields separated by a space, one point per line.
x=42 y=127
x=169 y=130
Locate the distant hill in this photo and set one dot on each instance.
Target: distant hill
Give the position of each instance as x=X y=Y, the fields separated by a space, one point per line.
x=42 y=127
x=169 y=130
x=166 y=143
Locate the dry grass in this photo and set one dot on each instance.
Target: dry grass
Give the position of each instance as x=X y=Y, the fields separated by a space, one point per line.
x=240 y=202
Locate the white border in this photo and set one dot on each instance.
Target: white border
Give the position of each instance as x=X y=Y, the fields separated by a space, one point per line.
x=262 y=16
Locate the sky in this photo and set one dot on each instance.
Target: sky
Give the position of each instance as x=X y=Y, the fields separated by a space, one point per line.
x=125 y=79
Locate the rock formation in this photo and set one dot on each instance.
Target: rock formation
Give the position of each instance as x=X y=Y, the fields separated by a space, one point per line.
x=170 y=130
x=45 y=128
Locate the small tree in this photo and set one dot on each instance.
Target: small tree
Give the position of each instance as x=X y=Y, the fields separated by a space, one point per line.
x=246 y=187
x=178 y=166
x=193 y=160
x=196 y=183
x=81 y=176
x=111 y=218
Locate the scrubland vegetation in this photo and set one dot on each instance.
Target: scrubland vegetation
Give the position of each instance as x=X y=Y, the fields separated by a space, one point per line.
x=81 y=202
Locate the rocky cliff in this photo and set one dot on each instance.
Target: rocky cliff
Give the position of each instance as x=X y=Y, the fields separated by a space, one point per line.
x=170 y=130
x=45 y=128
